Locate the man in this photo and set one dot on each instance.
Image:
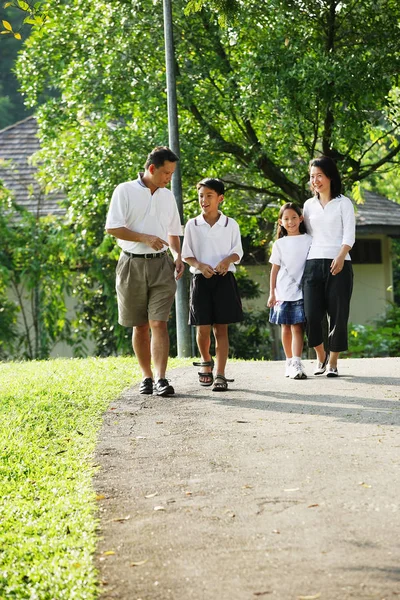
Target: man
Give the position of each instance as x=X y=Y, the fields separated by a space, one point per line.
x=144 y=218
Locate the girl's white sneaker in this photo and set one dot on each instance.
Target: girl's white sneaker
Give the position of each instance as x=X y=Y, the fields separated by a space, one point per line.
x=297 y=370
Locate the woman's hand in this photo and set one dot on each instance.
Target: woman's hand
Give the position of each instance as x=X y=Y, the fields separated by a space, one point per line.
x=337 y=265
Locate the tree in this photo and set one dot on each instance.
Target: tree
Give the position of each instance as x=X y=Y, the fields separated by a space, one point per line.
x=12 y=106
x=283 y=81
x=262 y=96
x=36 y=267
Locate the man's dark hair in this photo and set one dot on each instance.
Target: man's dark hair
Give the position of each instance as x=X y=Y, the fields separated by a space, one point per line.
x=159 y=155
x=213 y=184
x=329 y=168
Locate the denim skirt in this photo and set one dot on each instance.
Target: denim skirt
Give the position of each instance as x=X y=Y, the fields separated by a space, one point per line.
x=287 y=313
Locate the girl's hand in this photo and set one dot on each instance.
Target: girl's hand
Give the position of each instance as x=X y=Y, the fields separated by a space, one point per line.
x=271 y=300
x=337 y=265
x=206 y=270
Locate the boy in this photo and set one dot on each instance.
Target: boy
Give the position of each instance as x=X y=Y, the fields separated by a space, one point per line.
x=212 y=246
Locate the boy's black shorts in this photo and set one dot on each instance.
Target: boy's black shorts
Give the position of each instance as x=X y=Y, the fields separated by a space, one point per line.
x=215 y=300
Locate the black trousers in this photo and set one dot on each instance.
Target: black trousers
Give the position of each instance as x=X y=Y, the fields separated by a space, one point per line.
x=327 y=294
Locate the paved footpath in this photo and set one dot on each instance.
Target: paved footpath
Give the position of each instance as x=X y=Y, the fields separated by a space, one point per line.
x=277 y=489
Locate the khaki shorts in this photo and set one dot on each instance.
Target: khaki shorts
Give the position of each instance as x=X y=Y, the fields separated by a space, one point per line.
x=145 y=289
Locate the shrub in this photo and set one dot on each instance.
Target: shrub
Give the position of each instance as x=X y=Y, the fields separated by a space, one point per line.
x=381 y=338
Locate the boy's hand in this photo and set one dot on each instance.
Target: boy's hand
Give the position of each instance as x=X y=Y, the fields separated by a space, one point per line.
x=271 y=300
x=223 y=266
x=206 y=270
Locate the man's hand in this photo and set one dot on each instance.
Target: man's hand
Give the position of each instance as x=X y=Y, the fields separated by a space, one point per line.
x=206 y=270
x=154 y=242
x=223 y=266
x=179 y=268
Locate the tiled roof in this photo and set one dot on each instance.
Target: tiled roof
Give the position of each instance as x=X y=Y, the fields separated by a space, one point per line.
x=18 y=143
x=378 y=215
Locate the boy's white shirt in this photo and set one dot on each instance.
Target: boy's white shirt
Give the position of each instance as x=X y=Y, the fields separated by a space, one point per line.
x=290 y=253
x=210 y=245
x=330 y=227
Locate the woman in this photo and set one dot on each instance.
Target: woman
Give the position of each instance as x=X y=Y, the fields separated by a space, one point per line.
x=328 y=275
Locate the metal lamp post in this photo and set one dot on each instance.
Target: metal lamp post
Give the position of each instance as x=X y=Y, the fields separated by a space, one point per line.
x=181 y=298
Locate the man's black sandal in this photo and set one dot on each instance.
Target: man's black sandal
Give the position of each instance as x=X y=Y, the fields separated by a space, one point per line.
x=146 y=386
x=205 y=379
x=221 y=383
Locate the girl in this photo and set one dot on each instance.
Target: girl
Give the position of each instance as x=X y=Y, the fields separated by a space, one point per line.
x=328 y=275
x=288 y=258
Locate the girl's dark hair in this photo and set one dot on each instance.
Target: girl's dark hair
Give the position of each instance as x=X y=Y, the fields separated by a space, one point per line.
x=281 y=231
x=159 y=155
x=213 y=184
x=329 y=168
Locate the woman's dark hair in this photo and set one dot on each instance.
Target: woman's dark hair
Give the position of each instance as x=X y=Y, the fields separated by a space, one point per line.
x=159 y=155
x=329 y=168
x=281 y=231
x=213 y=184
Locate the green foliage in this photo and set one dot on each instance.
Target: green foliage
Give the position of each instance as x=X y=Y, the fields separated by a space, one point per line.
x=382 y=338
x=258 y=98
x=36 y=267
x=11 y=102
x=47 y=502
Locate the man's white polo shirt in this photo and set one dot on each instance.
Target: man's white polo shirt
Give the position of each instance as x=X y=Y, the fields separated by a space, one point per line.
x=210 y=245
x=134 y=206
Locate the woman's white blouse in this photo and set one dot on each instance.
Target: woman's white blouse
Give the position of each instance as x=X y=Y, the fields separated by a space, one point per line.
x=331 y=226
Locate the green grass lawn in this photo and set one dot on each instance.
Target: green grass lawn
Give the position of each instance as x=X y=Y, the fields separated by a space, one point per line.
x=50 y=416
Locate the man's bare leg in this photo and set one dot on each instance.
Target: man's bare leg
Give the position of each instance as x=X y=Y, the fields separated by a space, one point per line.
x=141 y=348
x=159 y=347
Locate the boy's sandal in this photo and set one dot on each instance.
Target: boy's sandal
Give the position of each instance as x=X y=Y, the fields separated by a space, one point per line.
x=221 y=383
x=205 y=379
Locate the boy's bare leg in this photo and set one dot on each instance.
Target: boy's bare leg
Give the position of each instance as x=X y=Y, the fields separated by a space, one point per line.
x=286 y=336
x=297 y=339
x=221 y=347
x=159 y=347
x=141 y=348
x=203 y=339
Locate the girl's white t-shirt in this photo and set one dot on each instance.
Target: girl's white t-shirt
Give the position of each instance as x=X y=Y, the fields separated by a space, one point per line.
x=290 y=253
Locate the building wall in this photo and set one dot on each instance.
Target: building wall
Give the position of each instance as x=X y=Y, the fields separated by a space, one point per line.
x=61 y=349
x=373 y=285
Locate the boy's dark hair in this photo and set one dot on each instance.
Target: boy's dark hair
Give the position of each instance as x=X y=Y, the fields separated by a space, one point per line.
x=281 y=231
x=159 y=155
x=329 y=168
x=214 y=184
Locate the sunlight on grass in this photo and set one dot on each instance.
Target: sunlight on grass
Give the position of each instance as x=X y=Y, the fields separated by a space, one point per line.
x=50 y=415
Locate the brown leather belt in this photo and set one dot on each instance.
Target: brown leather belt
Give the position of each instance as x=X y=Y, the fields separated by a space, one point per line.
x=151 y=255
